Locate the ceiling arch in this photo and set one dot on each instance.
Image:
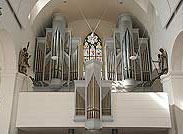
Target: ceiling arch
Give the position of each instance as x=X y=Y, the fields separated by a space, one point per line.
x=177 y=56
x=43 y=10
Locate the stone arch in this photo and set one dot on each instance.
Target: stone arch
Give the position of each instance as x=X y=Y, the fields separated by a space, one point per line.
x=177 y=54
x=8 y=55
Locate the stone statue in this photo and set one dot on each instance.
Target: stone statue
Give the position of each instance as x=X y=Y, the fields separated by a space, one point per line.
x=163 y=68
x=24 y=57
x=0 y=11
x=163 y=61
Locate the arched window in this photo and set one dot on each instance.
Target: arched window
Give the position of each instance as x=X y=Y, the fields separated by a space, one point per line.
x=92 y=47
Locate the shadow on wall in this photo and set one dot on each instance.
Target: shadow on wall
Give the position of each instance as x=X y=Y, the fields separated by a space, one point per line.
x=177 y=54
x=157 y=85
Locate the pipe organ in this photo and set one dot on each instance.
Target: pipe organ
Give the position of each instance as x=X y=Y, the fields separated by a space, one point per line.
x=40 y=54
x=57 y=63
x=56 y=56
x=126 y=43
x=93 y=97
x=93 y=94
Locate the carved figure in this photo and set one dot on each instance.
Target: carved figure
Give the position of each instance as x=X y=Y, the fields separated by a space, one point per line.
x=24 y=57
x=163 y=62
x=0 y=11
x=163 y=67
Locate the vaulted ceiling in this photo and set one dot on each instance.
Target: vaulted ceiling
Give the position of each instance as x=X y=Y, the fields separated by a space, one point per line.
x=40 y=11
x=92 y=9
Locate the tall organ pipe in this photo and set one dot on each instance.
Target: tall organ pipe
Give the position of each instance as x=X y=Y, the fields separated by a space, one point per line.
x=59 y=25
x=125 y=27
x=127 y=52
x=56 y=52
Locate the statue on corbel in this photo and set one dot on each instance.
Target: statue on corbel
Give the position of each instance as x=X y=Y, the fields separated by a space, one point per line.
x=23 y=62
x=162 y=62
x=162 y=67
x=0 y=11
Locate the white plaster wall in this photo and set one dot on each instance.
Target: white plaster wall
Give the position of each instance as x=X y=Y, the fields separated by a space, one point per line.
x=173 y=4
x=22 y=9
x=140 y=110
x=46 y=110
x=165 y=38
x=6 y=95
x=165 y=8
x=173 y=85
x=57 y=110
x=20 y=37
x=1 y=62
x=80 y=29
x=8 y=76
x=179 y=119
x=12 y=39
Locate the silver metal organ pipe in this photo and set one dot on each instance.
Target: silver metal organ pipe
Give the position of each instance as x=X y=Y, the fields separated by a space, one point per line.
x=125 y=27
x=61 y=57
x=59 y=25
x=93 y=95
x=56 y=53
x=93 y=98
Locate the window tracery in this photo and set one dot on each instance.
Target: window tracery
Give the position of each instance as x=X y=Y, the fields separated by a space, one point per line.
x=92 y=47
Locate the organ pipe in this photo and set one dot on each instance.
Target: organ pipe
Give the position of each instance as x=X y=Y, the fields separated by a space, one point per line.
x=57 y=62
x=125 y=27
x=59 y=25
x=56 y=53
x=93 y=95
x=93 y=99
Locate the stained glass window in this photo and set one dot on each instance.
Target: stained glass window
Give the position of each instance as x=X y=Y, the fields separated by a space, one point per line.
x=92 y=47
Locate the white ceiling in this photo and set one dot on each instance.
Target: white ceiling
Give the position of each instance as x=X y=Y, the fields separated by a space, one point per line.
x=93 y=9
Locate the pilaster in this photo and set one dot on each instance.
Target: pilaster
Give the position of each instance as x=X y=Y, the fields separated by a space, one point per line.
x=173 y=85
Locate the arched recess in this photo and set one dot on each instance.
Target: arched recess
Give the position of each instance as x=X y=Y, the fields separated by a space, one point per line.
x=8 y=56
x=177 y=54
